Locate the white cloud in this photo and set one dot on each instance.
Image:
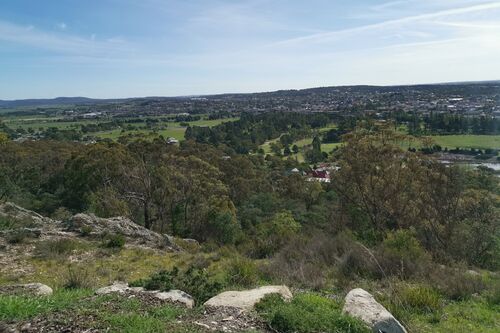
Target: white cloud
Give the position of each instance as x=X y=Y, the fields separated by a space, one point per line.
x=62 y=26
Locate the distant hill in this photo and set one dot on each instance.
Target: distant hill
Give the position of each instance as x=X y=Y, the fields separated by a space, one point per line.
x=55 y=101
x=457 y=87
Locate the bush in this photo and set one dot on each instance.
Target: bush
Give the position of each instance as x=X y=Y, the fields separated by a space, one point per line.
x=455 y=284
x=6 y=223
x=493 y=295
x=17 y=236
x=401 y=254
x=9 y=223
x=53 y=249
x=306 y=261
x=307 y=313
x=61 y=214
x=86 y=230
x=77 y=278
x=242 y=272
x=420 y=299
x=194 y=281
x=113 y=241
x=360 y=262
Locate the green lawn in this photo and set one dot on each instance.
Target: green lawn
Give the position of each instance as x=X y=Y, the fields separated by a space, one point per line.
x=468 y=141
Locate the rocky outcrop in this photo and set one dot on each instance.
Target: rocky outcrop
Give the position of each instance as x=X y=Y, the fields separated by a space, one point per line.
x=135 y=233
x=246 y=299
x=19 y=218
x=35 y=289
x=361 y=304
x=173 y=296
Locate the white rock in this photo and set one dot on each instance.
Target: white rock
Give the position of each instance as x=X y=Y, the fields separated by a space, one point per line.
x=177 y=296
x=361 y=304
x=37 y=289
x=116 y=287
x=247 y=299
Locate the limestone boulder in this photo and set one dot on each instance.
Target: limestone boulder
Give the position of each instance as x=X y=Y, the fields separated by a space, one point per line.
x=361 y=304
x=35 y=289
x=246 y=299
x=173 y=296
x=176 y=296
x=116 y=287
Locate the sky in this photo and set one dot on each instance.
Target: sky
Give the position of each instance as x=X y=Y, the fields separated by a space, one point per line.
x=132 y=48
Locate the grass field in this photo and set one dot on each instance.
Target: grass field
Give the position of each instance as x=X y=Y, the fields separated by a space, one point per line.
x=468 y=141
x=173 y=129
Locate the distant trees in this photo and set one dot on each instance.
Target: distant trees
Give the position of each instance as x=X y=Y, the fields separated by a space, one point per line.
x=252 y=130
x=315 y=155
x=449 y=123
x=383 y=188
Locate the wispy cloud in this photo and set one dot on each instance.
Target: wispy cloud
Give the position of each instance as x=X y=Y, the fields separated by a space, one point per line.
x=58 y=42
x=326 y=36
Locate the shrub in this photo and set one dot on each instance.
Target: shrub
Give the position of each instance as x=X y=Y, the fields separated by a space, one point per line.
x=86 y=230
x=420 y=299
x=194 y=281
x=360 y=262
x=6 y=223
x=242 y=272
x=9 y=223
x=493 y=295
x=456 y=285
x=113 y=241
x=53 y=249
x=307 y=313
x=77 y=278
x=305 y=261
x=401 y=254
x=61 y=214
x=16 y=236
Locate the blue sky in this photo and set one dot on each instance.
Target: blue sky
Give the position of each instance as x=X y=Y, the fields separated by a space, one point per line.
x=125 y=48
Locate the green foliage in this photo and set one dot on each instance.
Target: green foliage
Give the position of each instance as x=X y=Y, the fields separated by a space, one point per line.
x=3 y=138
x=86 y=230
x=194 y=281
x=307 y=313
x=9 y=223
x=493 y=295
x=242 y=272
x=78 y=278
x=276 y=232
x=455 y=284
x=421 y=299
x=113 y=241
x=61 y=214
x=401 y=254
x=17 y=236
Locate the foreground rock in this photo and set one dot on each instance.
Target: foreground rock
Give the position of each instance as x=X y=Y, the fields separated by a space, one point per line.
x=361 y=304
x=35 y=289
x=246 y=300
x=173 y=296
x=121 y=226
